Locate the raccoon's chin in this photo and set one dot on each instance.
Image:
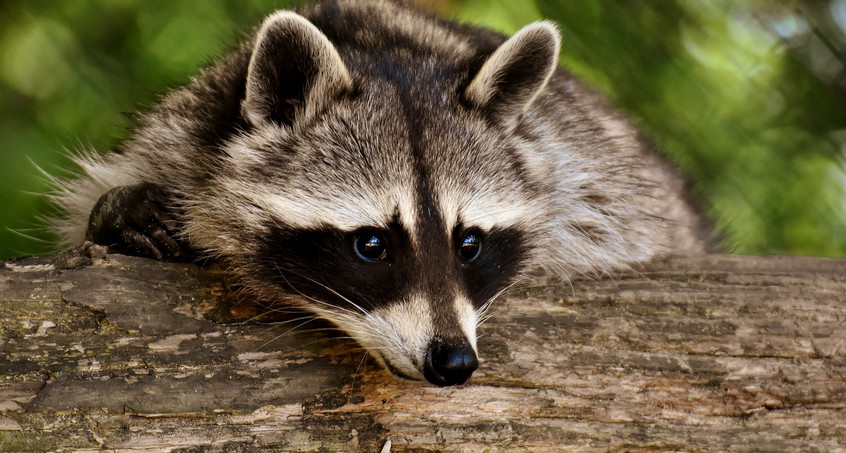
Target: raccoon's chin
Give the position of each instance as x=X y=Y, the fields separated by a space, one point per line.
x=399 y=373
x=406 y=370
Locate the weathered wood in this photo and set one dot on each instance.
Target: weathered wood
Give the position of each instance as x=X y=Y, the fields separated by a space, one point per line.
x=712 y=353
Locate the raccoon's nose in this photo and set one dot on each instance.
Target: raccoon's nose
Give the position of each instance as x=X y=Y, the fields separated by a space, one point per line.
x=449 y=362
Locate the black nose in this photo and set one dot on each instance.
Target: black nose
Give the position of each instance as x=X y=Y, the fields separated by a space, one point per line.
x=449 y=362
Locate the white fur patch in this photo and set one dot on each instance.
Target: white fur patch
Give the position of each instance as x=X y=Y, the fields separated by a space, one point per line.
x=486 y=210
x=77 y=197
x=400 y=334
x=467 y=319
x=343 y=209
x=406 y=329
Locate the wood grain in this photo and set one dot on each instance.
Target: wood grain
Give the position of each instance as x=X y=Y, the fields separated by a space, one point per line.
x=708 y=353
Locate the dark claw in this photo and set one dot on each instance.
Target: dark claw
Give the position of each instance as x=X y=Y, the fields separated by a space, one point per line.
x=160 y=236
x=135 y=220
x=135 y=243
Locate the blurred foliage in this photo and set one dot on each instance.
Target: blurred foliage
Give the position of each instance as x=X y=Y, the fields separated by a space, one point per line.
x=73 y=73
x=747 y=97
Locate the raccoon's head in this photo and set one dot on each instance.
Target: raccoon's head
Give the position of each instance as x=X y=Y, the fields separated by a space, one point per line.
x=387 y=198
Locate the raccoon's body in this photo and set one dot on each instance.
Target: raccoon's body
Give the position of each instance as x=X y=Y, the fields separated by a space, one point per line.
x=387 y=170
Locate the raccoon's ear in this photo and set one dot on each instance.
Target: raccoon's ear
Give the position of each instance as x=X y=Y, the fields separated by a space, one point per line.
x=294 y=71
x=513 y=76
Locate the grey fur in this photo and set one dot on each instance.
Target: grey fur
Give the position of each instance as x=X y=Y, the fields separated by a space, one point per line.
x=402 y=114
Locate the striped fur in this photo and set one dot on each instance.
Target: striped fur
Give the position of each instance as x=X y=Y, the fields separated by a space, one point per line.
x=426 y=130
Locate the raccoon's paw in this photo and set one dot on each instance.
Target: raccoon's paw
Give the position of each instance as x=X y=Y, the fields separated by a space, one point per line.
x=134 y=220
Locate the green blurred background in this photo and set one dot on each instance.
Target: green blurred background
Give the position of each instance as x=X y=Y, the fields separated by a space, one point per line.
x=747 y=97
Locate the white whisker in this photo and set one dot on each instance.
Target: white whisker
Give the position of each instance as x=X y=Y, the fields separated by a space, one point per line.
x=483 y=312
x=286 y=332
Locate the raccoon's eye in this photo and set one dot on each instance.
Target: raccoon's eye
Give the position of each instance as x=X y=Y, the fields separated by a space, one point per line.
x=469 y=246
x=371 y=246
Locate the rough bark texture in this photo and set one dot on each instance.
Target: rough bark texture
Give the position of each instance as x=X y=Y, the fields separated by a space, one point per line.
x=711 y=353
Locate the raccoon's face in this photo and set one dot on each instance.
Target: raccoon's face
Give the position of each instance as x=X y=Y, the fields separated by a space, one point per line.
x=400 y=240
x=378 y=205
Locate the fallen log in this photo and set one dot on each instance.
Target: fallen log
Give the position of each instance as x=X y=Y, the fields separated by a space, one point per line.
x=705 y=353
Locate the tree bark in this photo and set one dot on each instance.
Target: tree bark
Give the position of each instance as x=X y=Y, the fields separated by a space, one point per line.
x=705 y=353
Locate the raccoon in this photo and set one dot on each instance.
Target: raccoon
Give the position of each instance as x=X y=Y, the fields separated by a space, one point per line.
x=387 y=170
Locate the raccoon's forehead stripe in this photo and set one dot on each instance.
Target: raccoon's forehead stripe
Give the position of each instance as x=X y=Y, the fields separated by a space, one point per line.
x=342 y=207
x=487 y=209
